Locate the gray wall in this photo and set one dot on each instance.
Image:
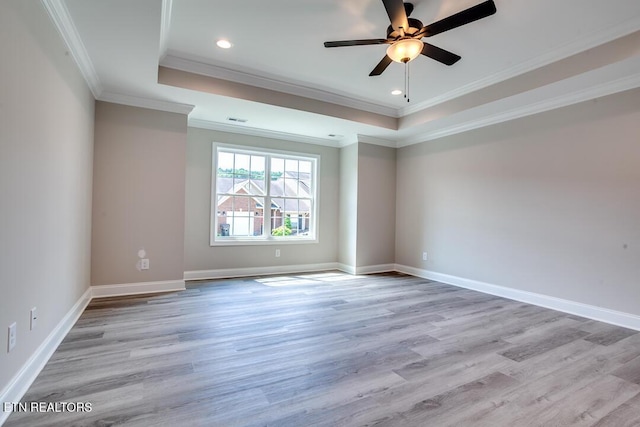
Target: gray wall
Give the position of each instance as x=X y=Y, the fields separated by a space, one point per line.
x=548 y=204
x=376 y=205
x=348 y=215
x=199 y=255
x=46 y=144
x=138 y=194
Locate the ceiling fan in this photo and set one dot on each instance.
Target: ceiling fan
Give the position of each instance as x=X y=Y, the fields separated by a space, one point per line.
x=404 y=34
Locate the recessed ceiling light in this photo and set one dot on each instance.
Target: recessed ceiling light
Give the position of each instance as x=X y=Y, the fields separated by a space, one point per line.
x=224 y=44
x=396 y=92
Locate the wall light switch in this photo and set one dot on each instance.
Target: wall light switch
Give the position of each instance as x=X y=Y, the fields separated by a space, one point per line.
x=144 y=264
x=34 y=318
x=12 y=337
x=277 y=253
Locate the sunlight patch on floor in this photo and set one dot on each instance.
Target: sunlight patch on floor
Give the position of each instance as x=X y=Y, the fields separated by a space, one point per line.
x=307 y=279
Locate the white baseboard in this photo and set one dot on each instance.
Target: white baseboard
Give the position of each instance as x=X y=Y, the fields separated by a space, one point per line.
x=346 y=268
x=226 y=273
x=123 y=289
x=20 y=383
x=601 y=314
x=372 y=269
x=367 y=269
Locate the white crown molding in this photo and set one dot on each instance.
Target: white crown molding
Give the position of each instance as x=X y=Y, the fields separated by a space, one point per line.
x=584 y=42
x=59 y=15
x=197 y=65
x=20 y=383
x=376 y=141
x=264 y=133
x=582 y=94
x=600 y=314
x=226 y=273
x=153 y=104
x=121 y=289
x=165 y=26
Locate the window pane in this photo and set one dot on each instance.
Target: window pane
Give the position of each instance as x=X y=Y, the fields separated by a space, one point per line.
x=257 y=174
x=291 y=177
x=258 y=222
x=303 y=216
x=224 y=185
x=225 y=164
x=305 y=167
x=305 y=178
x=295 y=225
x=290 y=187
x=242 y=162
x=240 y=172
x=308 y=220
x=277 y=176
x=223 y=226
x=291 y=167
x=245 y=218
x=277 y=224
x=239 y=225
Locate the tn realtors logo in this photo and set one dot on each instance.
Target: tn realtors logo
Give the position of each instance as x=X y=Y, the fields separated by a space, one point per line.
x=47 y=407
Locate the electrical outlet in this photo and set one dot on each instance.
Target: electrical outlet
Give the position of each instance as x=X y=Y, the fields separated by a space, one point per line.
x=144 y=264
x=424 y=256
x=34 y=318
x=277 y=253
x=12 y=337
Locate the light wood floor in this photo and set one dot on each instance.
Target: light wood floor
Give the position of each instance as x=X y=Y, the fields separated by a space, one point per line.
x=330 y=349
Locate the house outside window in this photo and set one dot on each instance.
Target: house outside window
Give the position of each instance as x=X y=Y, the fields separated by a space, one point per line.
x=263 y=196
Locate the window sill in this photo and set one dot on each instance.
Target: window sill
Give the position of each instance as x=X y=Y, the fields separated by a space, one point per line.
x=263 y=242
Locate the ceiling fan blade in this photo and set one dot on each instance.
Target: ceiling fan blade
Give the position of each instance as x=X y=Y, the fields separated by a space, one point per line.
x=474 y=13
x=397 y=14
x=440 y=55
x=382 y=65
x=355 y=42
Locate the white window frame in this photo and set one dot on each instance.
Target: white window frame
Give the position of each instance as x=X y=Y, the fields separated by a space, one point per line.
x=267 y=238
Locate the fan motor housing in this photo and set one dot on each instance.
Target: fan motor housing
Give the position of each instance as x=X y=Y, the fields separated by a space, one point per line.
x=414 y=26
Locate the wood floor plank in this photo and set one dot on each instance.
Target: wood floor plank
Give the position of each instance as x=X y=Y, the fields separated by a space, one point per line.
x=588 y=404
x=611 y=336
x=543 y=344
x=332 y=349
x=630 y=371
x=625 y=415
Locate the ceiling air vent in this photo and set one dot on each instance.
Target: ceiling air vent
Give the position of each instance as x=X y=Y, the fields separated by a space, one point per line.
x=236 y=120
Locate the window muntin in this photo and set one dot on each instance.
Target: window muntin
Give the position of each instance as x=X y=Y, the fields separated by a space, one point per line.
x=247 y=181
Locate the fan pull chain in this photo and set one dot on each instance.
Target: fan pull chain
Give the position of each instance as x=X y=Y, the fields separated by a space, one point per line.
x=406 y=64
x=408 y=74
x=406 y=80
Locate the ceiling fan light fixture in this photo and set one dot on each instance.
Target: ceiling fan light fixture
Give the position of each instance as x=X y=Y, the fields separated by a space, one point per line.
x=405 y=50
x=224 y=44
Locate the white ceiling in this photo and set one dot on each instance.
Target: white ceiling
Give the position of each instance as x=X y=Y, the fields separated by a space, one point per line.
x=509 y=65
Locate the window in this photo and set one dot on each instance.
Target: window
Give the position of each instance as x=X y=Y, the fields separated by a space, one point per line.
x=262 y=196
